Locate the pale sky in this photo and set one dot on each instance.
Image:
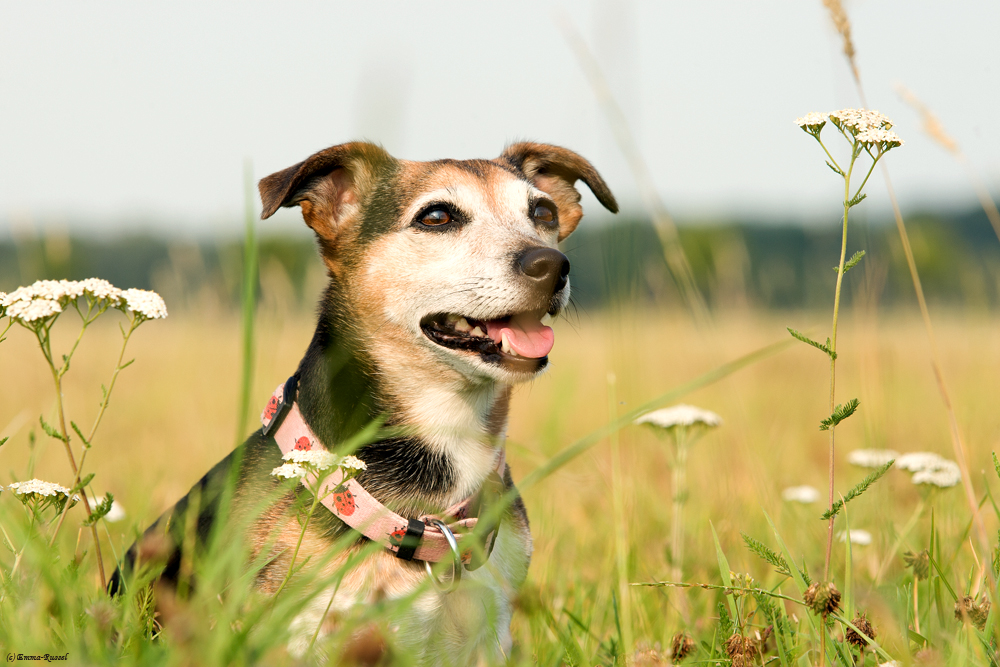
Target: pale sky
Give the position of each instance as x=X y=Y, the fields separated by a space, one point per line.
x=128 y=115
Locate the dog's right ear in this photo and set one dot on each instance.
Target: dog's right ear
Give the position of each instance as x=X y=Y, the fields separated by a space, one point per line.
x=328 y=186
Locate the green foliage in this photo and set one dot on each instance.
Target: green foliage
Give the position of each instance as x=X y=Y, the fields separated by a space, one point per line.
x=100 y=510
x=809 y=341
x=840 y=413
x=775 y=559
x=852 y=262
x=860 y=488
x=51 y=432
x=857 y=199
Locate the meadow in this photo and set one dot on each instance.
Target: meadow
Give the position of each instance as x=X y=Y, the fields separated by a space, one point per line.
x=173 y=416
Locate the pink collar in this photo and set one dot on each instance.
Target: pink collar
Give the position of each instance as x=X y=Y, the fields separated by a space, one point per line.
x=409 y=539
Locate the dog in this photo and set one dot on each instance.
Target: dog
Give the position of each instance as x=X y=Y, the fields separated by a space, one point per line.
x=440 y=276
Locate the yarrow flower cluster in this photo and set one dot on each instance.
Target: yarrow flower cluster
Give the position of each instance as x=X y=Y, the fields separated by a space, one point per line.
x=679 y=415
x=871 y=458
x=38 y=491
x=800 y=494
x=856 y=536
x=46 y=298
x=929 y=468
x=299 y=463
x=145 y=303
x=867 y=126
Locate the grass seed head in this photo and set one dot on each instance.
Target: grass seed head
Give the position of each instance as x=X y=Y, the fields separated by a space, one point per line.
x=740 y=650
x=920 y=562
x=823 y=598
x=865 y=627
x=682 y=646
x=647 y=655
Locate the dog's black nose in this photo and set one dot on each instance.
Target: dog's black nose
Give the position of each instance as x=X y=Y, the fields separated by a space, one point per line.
x=546 y=267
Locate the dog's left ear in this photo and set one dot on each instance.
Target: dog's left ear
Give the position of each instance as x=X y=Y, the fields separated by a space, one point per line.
x=554 y=170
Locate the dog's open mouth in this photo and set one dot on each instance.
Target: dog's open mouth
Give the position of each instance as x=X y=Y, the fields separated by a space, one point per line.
x=520 y=341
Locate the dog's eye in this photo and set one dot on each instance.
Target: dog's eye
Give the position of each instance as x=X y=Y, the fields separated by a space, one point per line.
x=436 y=217
x=544 y=214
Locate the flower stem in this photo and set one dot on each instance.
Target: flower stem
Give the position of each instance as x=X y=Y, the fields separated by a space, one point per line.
x=833 y=350
x=302 y=534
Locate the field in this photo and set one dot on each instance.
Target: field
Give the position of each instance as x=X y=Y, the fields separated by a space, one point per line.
x=172 y=417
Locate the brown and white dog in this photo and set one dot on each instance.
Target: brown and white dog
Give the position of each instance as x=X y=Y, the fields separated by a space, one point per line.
x=441 y=274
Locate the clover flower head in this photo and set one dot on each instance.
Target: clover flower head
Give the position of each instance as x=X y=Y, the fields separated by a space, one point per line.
x=800 y=494
x=33 y=310
x=856 y=536
x=679 y=415
x=35 y=490
x=145 y=303
x=871 y=458
x=290 y=471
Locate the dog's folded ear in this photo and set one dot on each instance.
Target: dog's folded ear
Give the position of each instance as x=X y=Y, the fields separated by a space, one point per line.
x=328 y=186
x=554 y=170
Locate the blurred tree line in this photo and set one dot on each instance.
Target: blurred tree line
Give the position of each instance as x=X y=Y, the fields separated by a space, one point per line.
x=739 y=264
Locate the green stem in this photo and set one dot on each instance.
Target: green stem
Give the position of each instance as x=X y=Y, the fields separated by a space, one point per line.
x=106 y=400
x=302 y=534
x=833 y=356
x=57 y=379
x=862 y=186
x=823 y=146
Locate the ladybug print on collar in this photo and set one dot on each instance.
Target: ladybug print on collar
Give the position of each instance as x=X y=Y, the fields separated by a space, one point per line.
x=343 y=500
x=272 y=407
x=303 y=444
x=396 y=536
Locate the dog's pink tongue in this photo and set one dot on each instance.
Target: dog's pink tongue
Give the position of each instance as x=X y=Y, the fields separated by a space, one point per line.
x=526 y=334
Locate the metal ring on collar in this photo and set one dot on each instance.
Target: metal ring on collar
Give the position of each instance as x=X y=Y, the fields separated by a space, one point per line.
x=456 y=566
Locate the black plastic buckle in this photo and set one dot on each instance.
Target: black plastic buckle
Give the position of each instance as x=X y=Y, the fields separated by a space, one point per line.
x=287 y=399
x=408 y=545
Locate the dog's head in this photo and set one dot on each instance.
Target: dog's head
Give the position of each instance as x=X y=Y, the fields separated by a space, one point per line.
x=447 y=262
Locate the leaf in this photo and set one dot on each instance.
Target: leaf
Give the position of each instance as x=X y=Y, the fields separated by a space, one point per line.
x=51 y=432
x=852 y=262
x=861 y=487
x=857 y=200
x=86 y=443
x=82 y=484
x=724 y=570
x=835 y=170
x=840 y=413
x=3 y=440
x=759 y=548
x=809 y=341
x=100 y=510
x=996 y=462
x=126 y=364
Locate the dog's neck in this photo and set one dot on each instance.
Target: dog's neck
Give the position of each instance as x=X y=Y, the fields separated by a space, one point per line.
x=454 y=428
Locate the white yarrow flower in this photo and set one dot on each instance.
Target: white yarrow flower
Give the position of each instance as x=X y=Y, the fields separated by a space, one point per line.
x=918 y=461
x=317 y=459
x=35 y=489
x=800 y=494
x=352 y=463
x=871 y=458
x=679 y=415
x=35 y=309
x=857 y=536
x=944 y=477
x=146 y=303
x=811 y=120
x=290 y=471
x=102 y=289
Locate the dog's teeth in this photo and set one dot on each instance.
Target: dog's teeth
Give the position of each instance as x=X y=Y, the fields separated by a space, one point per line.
x=547 y=319
x=451 y=318
x=478 y=333
x=463 y=325
x=504 y=343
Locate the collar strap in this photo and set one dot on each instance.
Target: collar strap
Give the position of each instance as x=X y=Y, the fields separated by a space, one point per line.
x=409 y=539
